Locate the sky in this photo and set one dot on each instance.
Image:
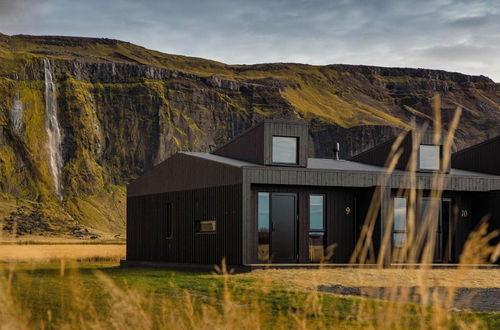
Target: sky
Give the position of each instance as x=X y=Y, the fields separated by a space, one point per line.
x=453 y=35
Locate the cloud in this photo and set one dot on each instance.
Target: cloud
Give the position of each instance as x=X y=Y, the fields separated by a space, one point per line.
x=455 y=35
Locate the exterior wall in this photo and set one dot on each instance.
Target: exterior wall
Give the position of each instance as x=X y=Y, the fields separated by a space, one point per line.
x=378 y=155
x=494 y=216
x=255 y=145
x=184 y=172
x=360 y=179
x=146 y=226
x=468 y=208
x=343 y=229
x=482 y=157
x=249 y=146
x=340 y=225
x=276 y=128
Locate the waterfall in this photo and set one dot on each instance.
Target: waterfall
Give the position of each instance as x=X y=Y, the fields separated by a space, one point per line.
x=52 y=127
x=16 y=115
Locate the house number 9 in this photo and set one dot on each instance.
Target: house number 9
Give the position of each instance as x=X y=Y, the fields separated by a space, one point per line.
x=465 y=213
x=348 y=210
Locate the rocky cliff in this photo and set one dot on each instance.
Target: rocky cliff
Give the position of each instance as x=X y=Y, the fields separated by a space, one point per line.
x=81 y=117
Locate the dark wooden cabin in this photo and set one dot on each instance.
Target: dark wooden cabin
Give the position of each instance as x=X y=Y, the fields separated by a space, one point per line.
x=260 y=199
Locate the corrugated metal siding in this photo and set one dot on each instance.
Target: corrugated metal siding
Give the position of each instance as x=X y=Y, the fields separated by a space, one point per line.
x=146 y=226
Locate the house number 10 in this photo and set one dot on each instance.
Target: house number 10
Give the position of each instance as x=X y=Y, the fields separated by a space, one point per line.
x=465 y=213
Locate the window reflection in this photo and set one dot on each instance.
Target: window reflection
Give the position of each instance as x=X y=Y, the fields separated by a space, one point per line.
x=399 y=235
x=263 y=226
x=316 y=209
x=285 y=150
x=429 y=157
x=316 y=228
x=316 y=246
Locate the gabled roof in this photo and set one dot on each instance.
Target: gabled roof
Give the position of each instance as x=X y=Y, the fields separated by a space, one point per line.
x=220 y=159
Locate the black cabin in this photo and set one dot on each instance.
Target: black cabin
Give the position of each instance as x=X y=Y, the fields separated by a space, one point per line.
x=261 y=199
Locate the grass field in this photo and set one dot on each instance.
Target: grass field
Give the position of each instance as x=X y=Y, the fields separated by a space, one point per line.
x=43 y=253
x=65 y=293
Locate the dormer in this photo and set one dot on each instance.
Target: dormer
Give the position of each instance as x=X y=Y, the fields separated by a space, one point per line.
x=429 y=154
x=273 y=143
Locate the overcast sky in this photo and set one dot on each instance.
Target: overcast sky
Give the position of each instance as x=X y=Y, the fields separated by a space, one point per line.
x=453 y=35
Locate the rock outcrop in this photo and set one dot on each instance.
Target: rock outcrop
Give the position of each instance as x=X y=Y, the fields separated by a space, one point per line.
x=120 y=109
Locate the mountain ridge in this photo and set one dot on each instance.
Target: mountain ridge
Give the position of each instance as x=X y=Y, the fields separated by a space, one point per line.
x=121 y=108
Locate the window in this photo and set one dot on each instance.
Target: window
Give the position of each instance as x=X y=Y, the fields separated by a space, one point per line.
x=430 y=157
x=400 y=230
x=169 y=220
x=206 y=226
x=316 y=227
x=263 y=226
x=285 y=150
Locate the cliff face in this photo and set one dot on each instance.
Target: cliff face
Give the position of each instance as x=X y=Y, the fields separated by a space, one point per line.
x=79 y=118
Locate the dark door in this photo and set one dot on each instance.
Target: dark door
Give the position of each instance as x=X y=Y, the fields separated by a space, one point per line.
x=284 y=228
x=447 y=233
x=431 y=223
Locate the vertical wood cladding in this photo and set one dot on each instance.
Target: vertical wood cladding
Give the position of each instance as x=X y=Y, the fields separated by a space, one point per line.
x=147 y=226
x=483 y=157
x=256 y=144
x=290 y=129
x=184 y=172
x=340 y=224
x=249 y=146
x=378 y=155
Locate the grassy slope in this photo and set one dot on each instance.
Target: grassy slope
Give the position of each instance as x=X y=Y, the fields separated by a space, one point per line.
x=52 y=293
x=316 y=92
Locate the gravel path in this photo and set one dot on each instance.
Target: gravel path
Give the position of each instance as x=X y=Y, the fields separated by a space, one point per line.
x=478 y=299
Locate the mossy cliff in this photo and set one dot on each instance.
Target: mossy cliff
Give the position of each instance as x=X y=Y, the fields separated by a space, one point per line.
x=122 y=108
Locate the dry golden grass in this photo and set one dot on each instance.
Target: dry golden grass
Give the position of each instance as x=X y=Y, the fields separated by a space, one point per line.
x=352 y=277
x=47 y=253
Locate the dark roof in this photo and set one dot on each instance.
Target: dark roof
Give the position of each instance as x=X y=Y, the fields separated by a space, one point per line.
x=220 y=159
x=322 y=164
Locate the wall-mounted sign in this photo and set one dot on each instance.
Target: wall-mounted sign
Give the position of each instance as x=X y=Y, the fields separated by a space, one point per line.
x=347 y=210
x=206 y=226
x=464 y=213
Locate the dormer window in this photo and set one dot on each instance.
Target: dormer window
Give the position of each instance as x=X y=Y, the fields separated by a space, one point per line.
x=429 y=157
x=285 y=150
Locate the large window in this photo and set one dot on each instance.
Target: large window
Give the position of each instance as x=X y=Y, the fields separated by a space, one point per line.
x=263 y=226
x=316 y=227
x=400 y=232
x=430 y=157
x=285 y=150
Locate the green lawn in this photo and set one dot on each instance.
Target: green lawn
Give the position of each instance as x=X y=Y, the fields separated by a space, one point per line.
x=86 y=291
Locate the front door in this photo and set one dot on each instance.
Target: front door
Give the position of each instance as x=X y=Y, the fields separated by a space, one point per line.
x=283 y=227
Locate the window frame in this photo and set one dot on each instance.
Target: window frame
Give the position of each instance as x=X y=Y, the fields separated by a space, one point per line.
x=269 y=225
x=297 y=150
x=312 y=231
x=394 y=231
x=440 y=154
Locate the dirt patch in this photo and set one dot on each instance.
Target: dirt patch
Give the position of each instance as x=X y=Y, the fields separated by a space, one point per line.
x=478 y=299
x=352 y=277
